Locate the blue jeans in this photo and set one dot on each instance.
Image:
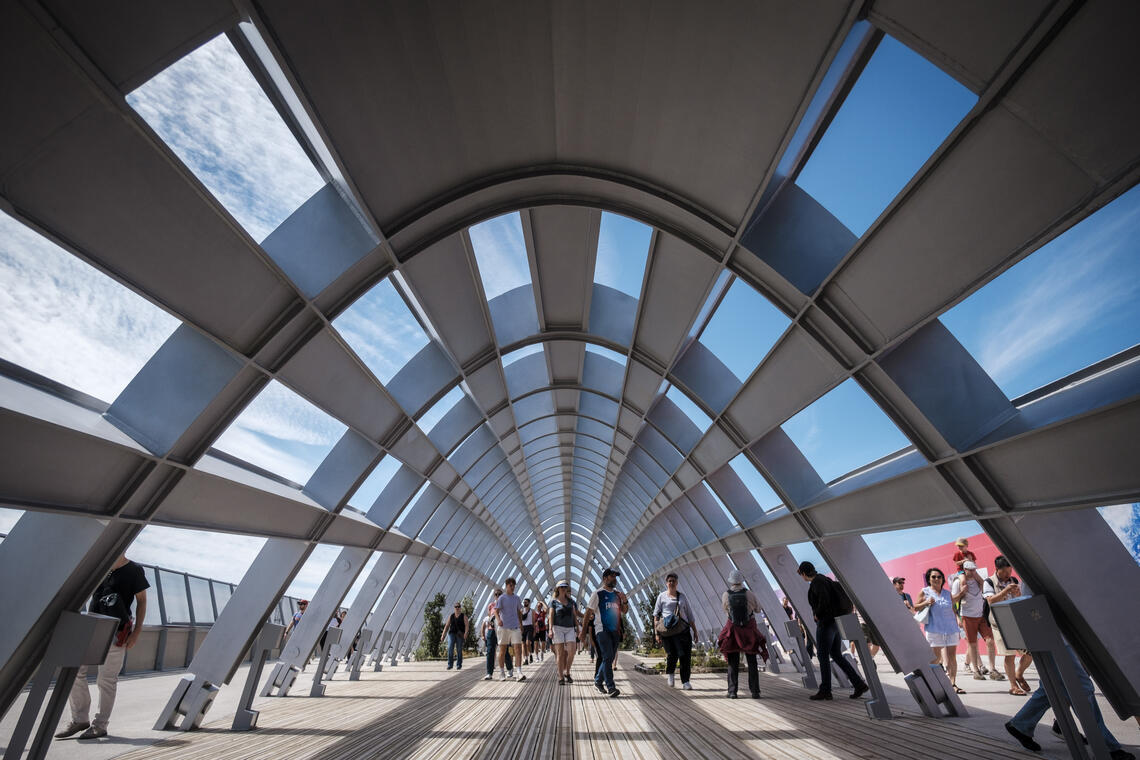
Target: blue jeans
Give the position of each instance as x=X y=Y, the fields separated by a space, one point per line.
x=1034 y=708
x=607 y=653
x=492 y=649
x=827 y=645
x=454 y=649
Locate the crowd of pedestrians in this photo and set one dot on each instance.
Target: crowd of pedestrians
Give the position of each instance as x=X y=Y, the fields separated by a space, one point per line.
x=948 y=609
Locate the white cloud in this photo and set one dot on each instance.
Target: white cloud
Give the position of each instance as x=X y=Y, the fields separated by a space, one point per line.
x=381 y=330
x=501 y=254
x=8 y=518
x=281 y=432
x=219 y=556
x=1074 y=291
x=314 y=570
x=66 y=320
x=212 y=113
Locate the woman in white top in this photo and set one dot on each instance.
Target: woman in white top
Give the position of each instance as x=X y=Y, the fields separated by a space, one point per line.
x=562 y=621
x=672 y=606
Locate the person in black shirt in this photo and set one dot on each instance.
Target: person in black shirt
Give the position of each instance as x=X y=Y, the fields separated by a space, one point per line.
x=125 y=585
x=824 y=598
x=455 y=631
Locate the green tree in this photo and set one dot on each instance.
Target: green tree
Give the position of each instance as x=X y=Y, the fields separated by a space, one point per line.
x=471 y=641
x=430 y=646
x=646 y=608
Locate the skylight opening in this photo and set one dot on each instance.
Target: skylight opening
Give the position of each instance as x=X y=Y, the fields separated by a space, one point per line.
x=613 y=356
x=731 y=519
x=1124 y=519
x=210 y=110
x=382 y=331
x=369 y=491
x=429 y=419
x=500 y=251
x=67 y=321
x=410 y=505
x=689 y=407
x=895 y=116
x=283 y=433
x=1073 y=302
x=843 y=431
x=743 y=329
x=623 y=248
x=755 y=482
x=521 y=353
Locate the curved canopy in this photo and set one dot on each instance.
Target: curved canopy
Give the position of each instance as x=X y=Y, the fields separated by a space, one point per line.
x=580 y=287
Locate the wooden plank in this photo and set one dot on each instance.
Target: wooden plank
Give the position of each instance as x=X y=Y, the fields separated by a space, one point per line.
x=420 y=710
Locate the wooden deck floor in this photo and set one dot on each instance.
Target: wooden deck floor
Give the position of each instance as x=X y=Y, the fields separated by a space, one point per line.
x=420 y=710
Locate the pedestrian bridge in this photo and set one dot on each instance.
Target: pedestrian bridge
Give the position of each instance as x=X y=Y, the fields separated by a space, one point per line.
x=461 y=291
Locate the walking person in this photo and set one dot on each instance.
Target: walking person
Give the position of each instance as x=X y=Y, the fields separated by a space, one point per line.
x=527 y=632
x=1021 y=725
x=604 y=610
x=941 y=624
x=455 y=631
x=540 y=615
x=828 y=600
x=125 y=585
x=741 y=635
x=508 y=619
x=907 y=600
x=1000 y=587
x=674 y=629
x=490 y=637
x=562 y=619
x=302 y=605
x=967 y=592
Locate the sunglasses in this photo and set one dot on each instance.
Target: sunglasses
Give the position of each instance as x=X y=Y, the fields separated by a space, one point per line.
x=936 y=577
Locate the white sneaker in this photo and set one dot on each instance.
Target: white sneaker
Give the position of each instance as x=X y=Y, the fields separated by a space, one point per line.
x=671 y=681
x=687 y=686
x=487 y=677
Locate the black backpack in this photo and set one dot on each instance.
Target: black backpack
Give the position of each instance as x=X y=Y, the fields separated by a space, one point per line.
x=738 y=607
x=840 y=602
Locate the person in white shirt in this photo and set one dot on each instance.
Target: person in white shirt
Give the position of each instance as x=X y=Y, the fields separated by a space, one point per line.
x=967 y=590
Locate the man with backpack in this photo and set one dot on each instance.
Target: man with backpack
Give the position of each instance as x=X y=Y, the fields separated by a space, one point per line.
x=828 y=601
x=741 y=634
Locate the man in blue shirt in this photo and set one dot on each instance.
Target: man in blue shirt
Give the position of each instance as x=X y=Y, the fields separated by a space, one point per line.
x=605 y=609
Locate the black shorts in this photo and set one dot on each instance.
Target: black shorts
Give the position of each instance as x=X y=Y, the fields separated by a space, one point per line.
x=528 y=633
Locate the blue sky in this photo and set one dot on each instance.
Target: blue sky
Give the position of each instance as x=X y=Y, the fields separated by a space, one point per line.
x=901 y=108
x=1065 y=306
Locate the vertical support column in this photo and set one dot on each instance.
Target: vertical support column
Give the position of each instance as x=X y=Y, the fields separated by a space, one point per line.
x=262 y=586
x=233 y=631
x=901 y=638
x=325 y=602
x=51 y=564
x=407 y=570
x=1090 y=615
x=369 y=592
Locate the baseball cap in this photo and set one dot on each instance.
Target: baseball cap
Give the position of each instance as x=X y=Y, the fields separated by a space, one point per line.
x=611 y=571
x=897 y=579
x=968 y=565
x=563 y=584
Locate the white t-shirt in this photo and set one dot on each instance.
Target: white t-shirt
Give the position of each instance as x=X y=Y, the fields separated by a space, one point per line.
x=972 y=601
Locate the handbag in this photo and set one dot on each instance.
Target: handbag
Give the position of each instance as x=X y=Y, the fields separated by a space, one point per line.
x=671 y=625
x=922 y=615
